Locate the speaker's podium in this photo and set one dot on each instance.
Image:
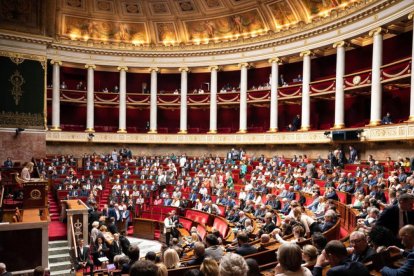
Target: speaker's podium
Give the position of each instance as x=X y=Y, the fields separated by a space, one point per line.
x=34 y=192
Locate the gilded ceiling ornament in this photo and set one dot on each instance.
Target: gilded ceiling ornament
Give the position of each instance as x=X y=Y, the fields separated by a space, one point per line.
x=17 y=60
x=17 y=81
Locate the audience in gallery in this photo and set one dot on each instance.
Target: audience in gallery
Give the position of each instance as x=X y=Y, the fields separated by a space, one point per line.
x=267 y=175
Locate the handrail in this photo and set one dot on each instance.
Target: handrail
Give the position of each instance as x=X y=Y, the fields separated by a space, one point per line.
x=2 y=196
x=73 y=236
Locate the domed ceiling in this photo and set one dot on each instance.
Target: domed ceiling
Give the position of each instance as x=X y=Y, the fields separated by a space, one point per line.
x=175 y=22
x=157 y=23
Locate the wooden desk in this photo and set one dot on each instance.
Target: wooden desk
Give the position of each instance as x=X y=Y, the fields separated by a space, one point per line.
x=144 y=228
x=31 y=215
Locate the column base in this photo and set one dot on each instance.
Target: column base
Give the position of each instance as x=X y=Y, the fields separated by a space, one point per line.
x=152 y=131
x=55 y=129
x=338 y=126
x=304 y=128
x=410 y=119
x=272 y=130
x=212 y=131
x=374 y=123
x=241 y=131
x=121 y=131
x=90 y=130
x=182 y=131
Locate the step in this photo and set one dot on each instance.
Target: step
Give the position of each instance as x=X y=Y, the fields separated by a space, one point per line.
x=60 y=266
x=54 y=244
x=62 y=273
x=57 y=258
x=58 y=250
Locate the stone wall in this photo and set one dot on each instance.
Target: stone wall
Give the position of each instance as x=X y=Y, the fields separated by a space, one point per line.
x=23 y=146
x=379 y=150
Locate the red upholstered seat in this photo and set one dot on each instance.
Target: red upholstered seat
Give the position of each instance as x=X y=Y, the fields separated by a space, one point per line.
x=221 y=226
x=201 y=231
x=197 y=216
x=187 y=224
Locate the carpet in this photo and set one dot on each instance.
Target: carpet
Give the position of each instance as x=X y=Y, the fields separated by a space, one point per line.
x=57 y=231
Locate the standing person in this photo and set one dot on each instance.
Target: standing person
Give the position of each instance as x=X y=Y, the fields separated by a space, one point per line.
x=396 y=216
x=26 y=171
x=296 y=123
x=353 y=154
x=168 y=226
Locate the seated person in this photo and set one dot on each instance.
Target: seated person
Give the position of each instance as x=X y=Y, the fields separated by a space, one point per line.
x=268 y=226
x=386 y=120
x=100 y=250
x=199 y=254
x=309 y=255
x=83 y=259
x=407 y=239
x=330 y=220
x=264 y=241
x=336 y=255
x=289 y=257
x=116 y=250
x=360 y=250
x=213 y=249
x=298 y=235
x=244 y=248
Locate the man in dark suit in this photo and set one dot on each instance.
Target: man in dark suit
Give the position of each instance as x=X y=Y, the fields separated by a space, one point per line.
x=244 y=247
x=3 y=271
x=329 y=221
x=115 y=251
x=336 y=255
x=407 y=239
x=396 y=216
x=83 y=259
x=112 y=226
x=296 y=122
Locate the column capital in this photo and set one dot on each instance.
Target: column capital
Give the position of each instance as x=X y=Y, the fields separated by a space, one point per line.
x=183 y=69
x=411 y=15
x=214 y=67
x=377 y=31
x=156 y=69
x=243 y=64
x=275 y=59
x=306 y=53
x=87 y=66
x=58 y=62
x=339 y=44
x=122 y=68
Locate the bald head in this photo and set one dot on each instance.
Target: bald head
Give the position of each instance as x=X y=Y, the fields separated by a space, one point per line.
x=407 y=236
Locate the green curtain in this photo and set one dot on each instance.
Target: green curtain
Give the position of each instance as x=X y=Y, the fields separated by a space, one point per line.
x=22 y=92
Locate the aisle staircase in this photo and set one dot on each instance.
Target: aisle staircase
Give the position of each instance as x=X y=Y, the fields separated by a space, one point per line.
x=57 y=229
x=53 y=207
x=59 y=258
x=106 y=192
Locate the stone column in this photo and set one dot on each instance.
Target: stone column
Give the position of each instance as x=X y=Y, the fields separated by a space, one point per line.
x=376 y=87
x=183 y=98
x=274 y=85
x=411 y=117
x=153 y=104
x=243 y=98
x=306 y=90
x=122 y=99
x=56 y=95
x=213 y=99
x=339 y=85
x=90 y=98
